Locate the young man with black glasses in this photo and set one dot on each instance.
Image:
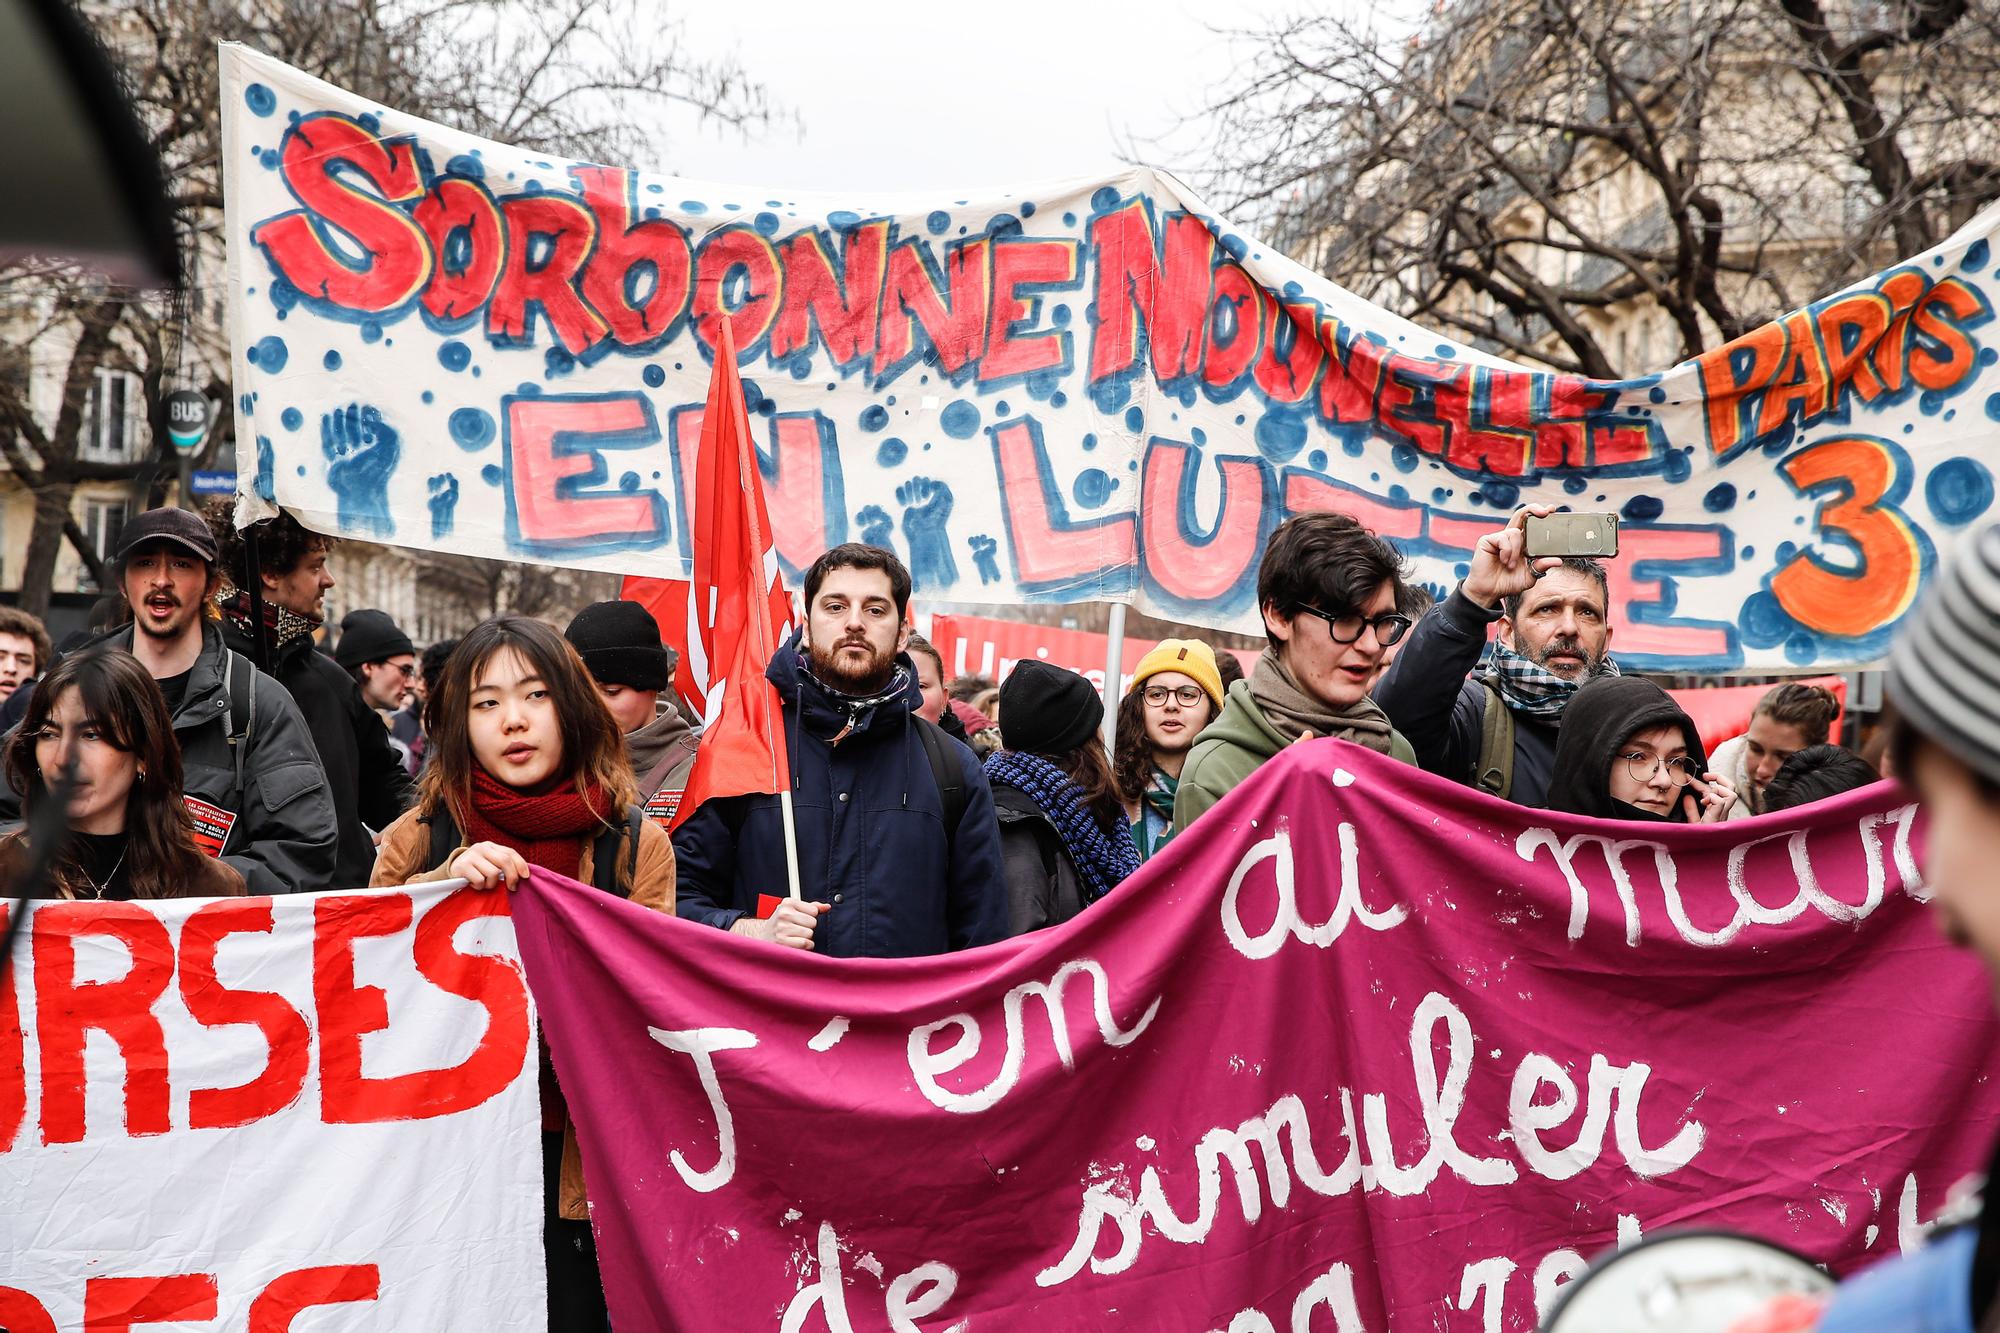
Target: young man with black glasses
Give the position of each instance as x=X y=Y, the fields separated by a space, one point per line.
x=1496 y=728
x=1327 y=588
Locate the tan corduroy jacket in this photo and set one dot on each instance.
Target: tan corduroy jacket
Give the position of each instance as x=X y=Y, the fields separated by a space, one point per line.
x=406 y=845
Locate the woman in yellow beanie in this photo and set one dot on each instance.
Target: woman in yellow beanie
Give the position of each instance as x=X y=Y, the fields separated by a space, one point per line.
x=1176 y=691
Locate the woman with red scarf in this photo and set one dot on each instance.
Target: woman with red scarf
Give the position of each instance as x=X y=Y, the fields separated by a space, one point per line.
x=527 y=768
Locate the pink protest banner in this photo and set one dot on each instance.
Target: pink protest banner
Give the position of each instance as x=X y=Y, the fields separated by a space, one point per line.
x=1367 y=1050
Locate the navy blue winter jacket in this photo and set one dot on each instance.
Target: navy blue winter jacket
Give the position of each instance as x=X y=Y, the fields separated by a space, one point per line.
x=871 y=833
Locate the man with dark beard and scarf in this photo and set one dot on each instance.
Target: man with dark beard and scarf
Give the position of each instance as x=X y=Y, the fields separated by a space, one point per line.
x=898 y=847
x=1496 y=728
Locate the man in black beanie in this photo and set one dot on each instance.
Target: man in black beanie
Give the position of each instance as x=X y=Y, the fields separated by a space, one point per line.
x=620 y=644
x=379 y=656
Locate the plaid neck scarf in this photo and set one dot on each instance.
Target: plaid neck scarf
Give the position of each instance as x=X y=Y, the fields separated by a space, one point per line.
x=1527 y=687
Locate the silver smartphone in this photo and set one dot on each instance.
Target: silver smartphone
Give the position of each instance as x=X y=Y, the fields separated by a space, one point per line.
x=1586 y=534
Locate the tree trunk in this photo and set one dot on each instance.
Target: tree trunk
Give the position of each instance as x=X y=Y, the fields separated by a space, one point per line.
x=38 y=575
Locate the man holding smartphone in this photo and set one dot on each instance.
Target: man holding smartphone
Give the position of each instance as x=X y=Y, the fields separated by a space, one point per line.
x=1496 y=730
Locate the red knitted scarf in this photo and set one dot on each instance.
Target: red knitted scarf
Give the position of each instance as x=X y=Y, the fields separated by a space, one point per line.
x=547 y=824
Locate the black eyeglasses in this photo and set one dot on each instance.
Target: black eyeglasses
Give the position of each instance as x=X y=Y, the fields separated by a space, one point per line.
x=1389 y=628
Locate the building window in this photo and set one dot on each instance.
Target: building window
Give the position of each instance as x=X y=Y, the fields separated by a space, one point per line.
x=103 y=520
x=111 y=419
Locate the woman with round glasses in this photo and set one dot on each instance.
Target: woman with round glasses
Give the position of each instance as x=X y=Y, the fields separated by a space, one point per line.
x=1627 y=751
x=1174 y=694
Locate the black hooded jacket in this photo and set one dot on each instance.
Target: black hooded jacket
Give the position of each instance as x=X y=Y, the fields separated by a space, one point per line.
x=1602 y=716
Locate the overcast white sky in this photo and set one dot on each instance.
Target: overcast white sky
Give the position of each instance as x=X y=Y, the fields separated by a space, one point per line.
x=961 y=96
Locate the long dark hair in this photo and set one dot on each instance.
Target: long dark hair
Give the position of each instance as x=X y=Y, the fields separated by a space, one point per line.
x=1132 y=766
x=1091 y=770
x=126 y=707
x=593 y=754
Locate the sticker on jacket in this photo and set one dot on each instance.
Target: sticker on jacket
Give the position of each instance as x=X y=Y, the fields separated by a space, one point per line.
x=661 y=806
x=211 y=824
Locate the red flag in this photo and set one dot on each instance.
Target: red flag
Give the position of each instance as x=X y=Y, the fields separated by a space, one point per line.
x=736 y=611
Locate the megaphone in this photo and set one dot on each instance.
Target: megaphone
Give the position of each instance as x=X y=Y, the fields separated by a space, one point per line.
x=1694 y=1282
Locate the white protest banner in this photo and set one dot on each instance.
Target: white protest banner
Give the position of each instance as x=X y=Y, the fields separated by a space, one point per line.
x=1097 y=389
x=227 y=1113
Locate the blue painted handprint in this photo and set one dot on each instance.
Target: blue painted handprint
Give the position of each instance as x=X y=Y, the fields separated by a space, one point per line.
x=444 y=504
x=361 y=452
x=926 y=505
x=985 y=557
x=877 y=528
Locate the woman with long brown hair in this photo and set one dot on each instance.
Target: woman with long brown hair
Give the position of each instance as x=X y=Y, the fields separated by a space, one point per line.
x=128 y=832
x=1064 y=842
x=527 y=768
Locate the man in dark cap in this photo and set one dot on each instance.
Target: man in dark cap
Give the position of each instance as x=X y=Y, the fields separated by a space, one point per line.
x=620 y=644
x=369 y=782
x=379 y=656
x=898 y=850
x=253 y=780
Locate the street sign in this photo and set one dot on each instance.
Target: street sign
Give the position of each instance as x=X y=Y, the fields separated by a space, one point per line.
x=212 y=483
x=187 y=420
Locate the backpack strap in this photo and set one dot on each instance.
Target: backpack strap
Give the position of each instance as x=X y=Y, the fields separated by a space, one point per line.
x=444 y=834
x=1494 y=770
x=613 y=846
x=240 y=686
x=945 y=769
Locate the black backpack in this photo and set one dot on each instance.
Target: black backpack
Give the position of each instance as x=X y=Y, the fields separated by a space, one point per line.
x=604 y=850
x=944 y=767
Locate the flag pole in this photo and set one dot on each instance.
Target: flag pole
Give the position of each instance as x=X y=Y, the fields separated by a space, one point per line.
x=759 y=625
x=1114 y=676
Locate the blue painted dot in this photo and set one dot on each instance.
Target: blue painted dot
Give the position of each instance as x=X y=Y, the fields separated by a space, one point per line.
x=1976 y=256
x=628 y=481
x=1721 y=498
x=454 y=355
x=1785 y=552
x=283 y=294
x=1658 y=395
x=465 y=164
x=370 y=122
x=302 y=469
x=1093 y=487
x=1993 y=406
x=1765 y=623
x=1105 y=199
x=1446 y=351
x=268 y=159
x=959 y=419
x=428 y=396
x=292 y=418
x=1399 y=493
x=766 y=223
x=371 y=332
x=1748 y=553
x=1575 y=485
x=246 y=402
x=269 y=354
x=695 y=206
x=1959 y=490
x=1135 y=419
x=471 y=428
x=331 y=361
x=937 y=222
x=491 y=475
x=1801 y=650
x=1675 y=466
x=1069 y=219
x=891 y=452
x=261 y=100
x=1501 y=494
x=529 y=389
x=841 y=219
x=1316 y=460
x=1280 y=436
x=1058 y=399
x=802 y=368
x=1439 y=495
x=557 y=361
x=1110 y=395
x=1404 y=457
x=874 y=417
x=1089 y=441
x=654 y=376
x=1643 y=508
x=1027 y=208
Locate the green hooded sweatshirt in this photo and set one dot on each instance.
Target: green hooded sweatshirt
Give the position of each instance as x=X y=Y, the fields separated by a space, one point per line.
x=1231 y=748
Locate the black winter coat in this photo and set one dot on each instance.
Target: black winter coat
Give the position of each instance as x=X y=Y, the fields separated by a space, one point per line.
x=1442 y=714
x=1043 y=888
x=370 y=786
x=871 y=833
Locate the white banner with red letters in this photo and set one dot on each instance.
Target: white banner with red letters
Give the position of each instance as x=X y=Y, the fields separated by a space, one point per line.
x=242 y=1113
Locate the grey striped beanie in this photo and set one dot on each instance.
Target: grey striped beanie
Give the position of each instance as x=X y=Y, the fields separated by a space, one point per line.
x=1944 y=671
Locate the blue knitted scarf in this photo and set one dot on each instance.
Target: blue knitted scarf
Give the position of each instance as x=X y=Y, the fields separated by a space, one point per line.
x=1101 y=861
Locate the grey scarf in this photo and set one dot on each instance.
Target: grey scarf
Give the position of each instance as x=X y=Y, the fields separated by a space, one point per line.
x=1294 y=712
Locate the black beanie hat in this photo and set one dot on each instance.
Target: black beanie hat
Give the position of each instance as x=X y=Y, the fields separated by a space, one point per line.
x=1047 y=709
x=620 y=643
x=369 y=636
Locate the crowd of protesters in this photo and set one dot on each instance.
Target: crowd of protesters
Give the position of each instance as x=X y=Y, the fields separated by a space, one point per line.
x=215 y=743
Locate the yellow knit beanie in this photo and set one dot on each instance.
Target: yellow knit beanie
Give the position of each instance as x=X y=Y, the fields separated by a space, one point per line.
x=1191 y=657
